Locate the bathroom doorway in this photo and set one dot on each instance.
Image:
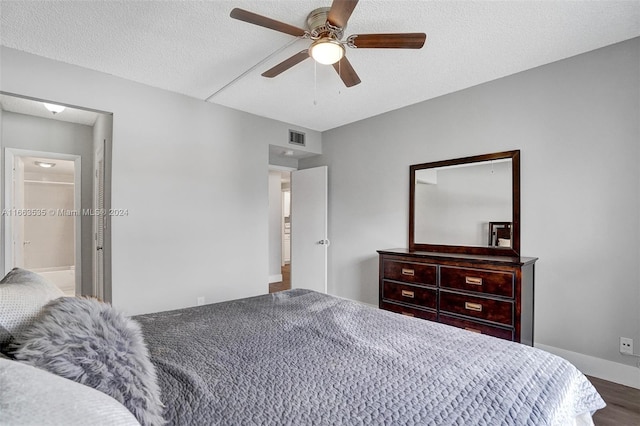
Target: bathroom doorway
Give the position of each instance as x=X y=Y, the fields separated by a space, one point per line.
x=43 y=216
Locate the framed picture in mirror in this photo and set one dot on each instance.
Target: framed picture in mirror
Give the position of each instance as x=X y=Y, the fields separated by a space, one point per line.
x=499 y=234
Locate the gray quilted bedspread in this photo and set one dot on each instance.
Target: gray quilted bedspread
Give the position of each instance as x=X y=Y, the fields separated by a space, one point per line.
x=303 y=358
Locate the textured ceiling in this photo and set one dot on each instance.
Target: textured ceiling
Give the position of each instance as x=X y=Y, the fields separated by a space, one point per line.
x=195 y=48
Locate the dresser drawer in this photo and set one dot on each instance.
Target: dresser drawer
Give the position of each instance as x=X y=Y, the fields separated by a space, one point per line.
x=416 y=273
x=410 y=312
x=483 y=281
x=476 y=327
x=411 y=294
x=498 y=311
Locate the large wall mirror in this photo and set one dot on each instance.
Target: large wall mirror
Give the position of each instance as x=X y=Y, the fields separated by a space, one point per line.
x=466 y=205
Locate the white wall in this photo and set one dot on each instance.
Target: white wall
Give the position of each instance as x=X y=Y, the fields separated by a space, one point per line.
x=42 y=134
x=576 y=123
x=51 y=237
x=193 y=176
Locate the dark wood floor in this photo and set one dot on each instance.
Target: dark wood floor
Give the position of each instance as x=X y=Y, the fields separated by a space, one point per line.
x=285 y=284
x=623 y=404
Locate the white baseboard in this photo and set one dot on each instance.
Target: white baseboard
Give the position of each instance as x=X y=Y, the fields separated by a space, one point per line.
x=597 y=367
x=275 y=278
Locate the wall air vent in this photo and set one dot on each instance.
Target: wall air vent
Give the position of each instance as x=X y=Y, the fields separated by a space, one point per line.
x=296 y=138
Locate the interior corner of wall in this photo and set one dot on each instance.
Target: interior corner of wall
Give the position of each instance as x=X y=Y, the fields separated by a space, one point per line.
x=616 y=372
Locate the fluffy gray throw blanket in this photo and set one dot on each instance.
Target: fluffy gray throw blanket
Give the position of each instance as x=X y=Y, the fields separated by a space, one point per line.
x=90 y=342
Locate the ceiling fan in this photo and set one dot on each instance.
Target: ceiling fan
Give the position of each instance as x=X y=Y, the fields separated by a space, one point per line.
x=326 y=27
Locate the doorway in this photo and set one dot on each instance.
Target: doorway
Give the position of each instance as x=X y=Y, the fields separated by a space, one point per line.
x=48 y=130
x=279 y=230
x=298 y=227
x=42 y=217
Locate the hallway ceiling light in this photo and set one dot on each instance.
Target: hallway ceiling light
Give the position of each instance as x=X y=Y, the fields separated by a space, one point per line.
x=54 y=108
x=44 y=164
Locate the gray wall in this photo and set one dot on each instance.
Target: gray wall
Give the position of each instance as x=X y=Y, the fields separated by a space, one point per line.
x=41 y=134
x=193 y=176
x=576 y=123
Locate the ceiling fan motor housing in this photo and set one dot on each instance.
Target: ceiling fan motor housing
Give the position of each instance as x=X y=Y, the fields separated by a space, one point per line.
x=320 y=27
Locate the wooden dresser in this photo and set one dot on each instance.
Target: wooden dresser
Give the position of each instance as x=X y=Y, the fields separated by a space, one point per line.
x=485 y=294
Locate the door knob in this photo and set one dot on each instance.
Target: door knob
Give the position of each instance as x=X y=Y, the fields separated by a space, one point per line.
x=323 y=242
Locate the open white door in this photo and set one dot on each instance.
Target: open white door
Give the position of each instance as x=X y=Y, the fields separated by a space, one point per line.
x=15 y=222
x=309 y=229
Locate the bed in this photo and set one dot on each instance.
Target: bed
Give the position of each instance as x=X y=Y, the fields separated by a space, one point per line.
x=303 y=358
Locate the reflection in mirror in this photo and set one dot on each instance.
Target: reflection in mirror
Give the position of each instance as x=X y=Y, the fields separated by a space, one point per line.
x=500 y=234
x=466 y=205
x=454 y=205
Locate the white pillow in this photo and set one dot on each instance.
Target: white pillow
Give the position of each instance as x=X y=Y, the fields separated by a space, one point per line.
x=31 y=396
x=22 y=295
x=504 y=242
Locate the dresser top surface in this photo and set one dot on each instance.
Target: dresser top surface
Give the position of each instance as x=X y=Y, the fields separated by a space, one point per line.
x=507 y=260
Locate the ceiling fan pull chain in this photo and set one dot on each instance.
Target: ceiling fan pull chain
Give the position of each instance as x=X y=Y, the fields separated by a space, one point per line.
x=339 y=74
x=315 y=83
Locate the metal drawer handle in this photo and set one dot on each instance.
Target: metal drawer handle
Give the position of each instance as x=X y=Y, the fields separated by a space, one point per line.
x=473 y=306
x=473 y=330
x=473 y=280
x=407 y=293
x=409 y=314
x=409 y=272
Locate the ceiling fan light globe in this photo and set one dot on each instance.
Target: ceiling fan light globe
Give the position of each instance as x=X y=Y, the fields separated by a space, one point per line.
x=326 y=51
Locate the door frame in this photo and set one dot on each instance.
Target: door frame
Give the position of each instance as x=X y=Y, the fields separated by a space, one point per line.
x=278 y=277
x=99 y=221
x=9 y=157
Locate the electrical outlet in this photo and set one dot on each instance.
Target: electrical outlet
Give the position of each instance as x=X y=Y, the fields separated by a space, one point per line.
x=200 y=302
x=626 y=346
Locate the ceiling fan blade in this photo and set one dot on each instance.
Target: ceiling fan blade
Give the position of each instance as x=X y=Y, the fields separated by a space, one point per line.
x=346 y=72
x=263 y=21
x=340 y=12
x=286 y=64
x=388 y=41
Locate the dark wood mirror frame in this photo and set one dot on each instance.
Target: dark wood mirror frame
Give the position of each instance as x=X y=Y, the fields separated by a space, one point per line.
x=514 y=250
